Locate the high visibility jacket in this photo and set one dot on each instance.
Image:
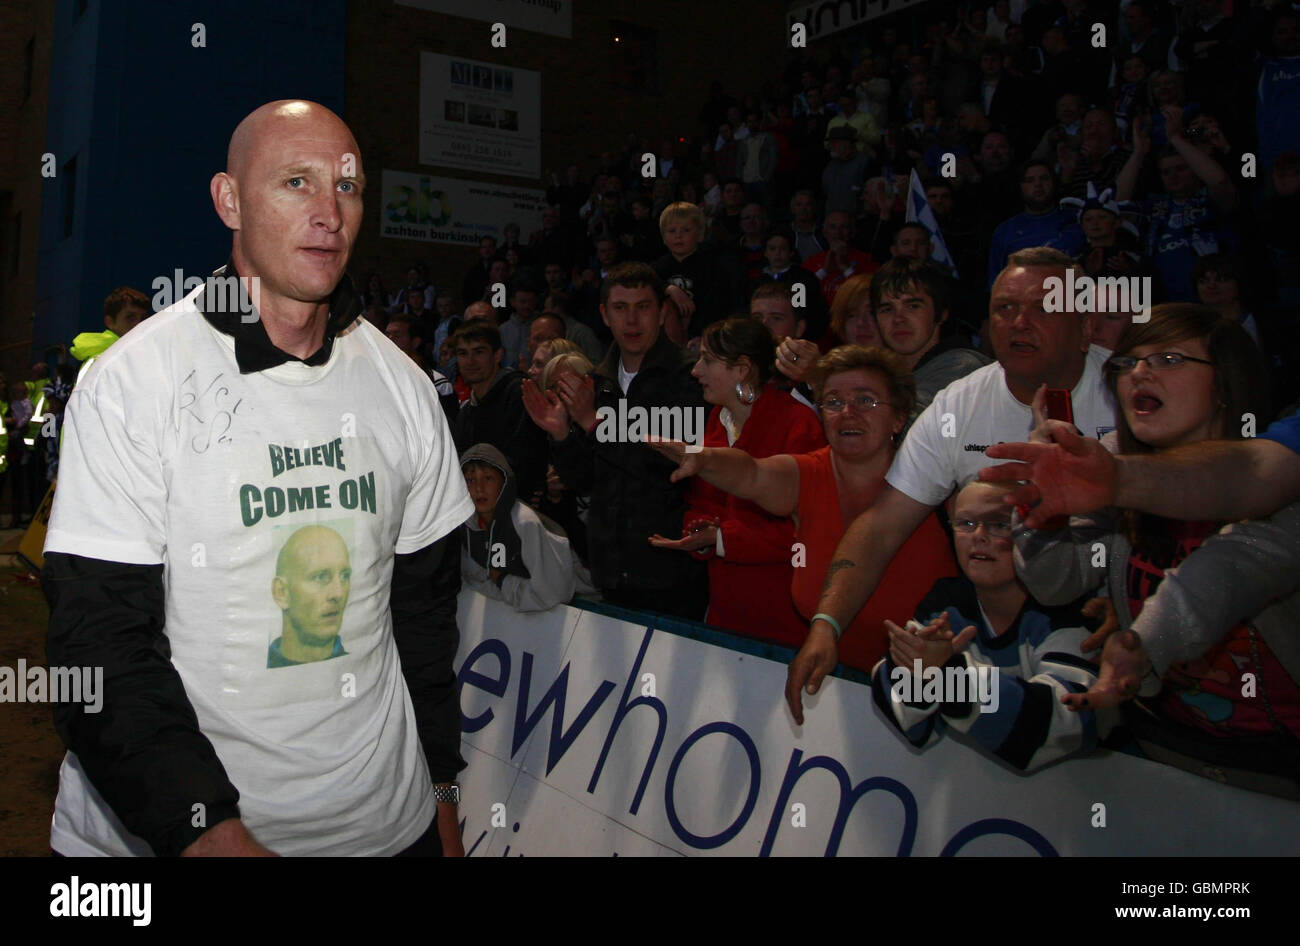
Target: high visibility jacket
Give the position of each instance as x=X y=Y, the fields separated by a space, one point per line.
x=89 y=344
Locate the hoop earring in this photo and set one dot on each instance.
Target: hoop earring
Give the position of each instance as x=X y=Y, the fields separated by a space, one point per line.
x=744 y=398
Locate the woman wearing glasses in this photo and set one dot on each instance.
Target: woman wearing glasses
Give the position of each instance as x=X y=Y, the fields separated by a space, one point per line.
x=1186 y=376
x=865 y=396
x=749 y=551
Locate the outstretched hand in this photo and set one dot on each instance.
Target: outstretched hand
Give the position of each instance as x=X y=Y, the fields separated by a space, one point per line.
x=816 y=658
x=1104 y=609
x=689 y=463
x=705 y=538
x=1072 y=475
x=1124 y=663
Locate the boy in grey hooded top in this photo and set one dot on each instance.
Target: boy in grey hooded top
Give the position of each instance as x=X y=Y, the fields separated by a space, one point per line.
x=508 y=551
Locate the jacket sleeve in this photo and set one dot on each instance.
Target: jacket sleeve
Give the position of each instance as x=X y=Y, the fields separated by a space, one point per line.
x=143 y=751
x=528 y=447
x=575 y=460
x=550 y=563
x=1023 y=721
x=1058 y=566
x=914 y=719
x=425 y=588
x=1232 y=576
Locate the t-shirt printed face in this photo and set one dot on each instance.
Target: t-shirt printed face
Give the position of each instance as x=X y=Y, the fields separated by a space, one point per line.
x=301 y=531
x=312 y=585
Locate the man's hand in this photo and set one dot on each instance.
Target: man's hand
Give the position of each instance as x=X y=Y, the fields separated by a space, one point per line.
x=1124 y=663
x=579 y=398
x=816 y=658
x=545 y=409
x=1074 y=474
x=449 y=830
x=228 y=839
x=796 y=358
x=1104 y=609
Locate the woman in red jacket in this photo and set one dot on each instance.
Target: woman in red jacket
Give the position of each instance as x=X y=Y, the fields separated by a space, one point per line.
x=866 y=396
x=750 y=551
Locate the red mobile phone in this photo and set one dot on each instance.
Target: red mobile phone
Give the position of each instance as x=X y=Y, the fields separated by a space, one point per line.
x=1059 y=406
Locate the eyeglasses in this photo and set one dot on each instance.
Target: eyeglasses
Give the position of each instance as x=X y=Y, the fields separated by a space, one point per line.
x=1157 y=361
x=997 y=528
x=861 y=402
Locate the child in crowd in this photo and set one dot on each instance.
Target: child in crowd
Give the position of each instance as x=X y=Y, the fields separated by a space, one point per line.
x=703 y=282
x=509 y=552
x=1015 y=656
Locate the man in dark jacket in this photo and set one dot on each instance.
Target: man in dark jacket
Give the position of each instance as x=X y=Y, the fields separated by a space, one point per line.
x=495 y=411
x=193 y=450
x=631 y=496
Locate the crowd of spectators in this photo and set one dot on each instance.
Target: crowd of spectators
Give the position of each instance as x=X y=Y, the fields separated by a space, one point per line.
x=854 y=366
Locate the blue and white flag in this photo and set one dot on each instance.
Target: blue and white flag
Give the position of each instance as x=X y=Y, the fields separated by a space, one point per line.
x=918 y=211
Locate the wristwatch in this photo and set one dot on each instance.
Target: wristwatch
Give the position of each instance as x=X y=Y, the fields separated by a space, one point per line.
x=448 y=792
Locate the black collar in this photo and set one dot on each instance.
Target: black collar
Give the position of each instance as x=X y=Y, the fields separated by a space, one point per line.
x=254 y=350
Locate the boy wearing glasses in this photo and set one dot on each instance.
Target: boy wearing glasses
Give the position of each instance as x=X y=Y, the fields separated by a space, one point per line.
x=945 y=446
x=1018 y=657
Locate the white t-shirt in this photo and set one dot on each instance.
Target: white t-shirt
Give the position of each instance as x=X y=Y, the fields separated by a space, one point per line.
x=171 y=456
x=945 y=446
x=625 y=377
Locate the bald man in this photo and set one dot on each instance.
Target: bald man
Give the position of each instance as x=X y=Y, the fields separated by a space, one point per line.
x=272 y=410
x=313 y=578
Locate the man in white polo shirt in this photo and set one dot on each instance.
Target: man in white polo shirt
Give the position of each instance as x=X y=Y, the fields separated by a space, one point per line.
x=254 y=537
x=945 y=447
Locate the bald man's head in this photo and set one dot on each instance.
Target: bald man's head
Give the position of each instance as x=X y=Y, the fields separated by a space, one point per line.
x=291 y=192
x=285 y=117
x=313 y=580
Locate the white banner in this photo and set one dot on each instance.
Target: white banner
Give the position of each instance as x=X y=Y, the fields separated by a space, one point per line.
x=586 y=735
x=831 y=16
x=554 y=17
x=449 y=210
x=480 y=116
